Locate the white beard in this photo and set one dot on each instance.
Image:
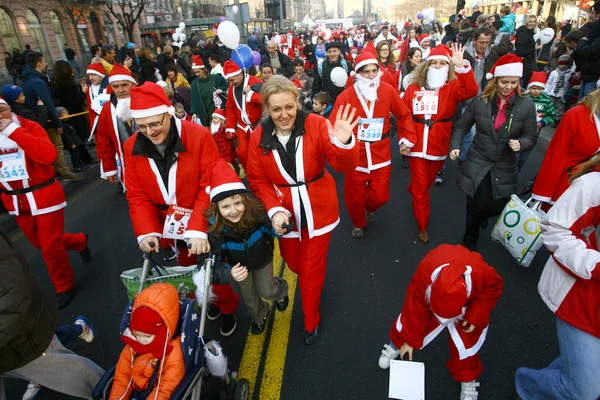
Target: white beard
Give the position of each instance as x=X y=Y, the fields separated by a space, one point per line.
x=123 y=110
x=214 y=128
x=7 y=144
x=368 y=87
x=436 y=78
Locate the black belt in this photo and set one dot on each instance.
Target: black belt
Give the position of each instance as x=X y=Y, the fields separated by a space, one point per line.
x=162 y=207
x=298 y=184
x=430 y=122
x=29 y=189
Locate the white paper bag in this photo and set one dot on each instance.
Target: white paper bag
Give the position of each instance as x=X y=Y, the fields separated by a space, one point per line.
x=407 y=380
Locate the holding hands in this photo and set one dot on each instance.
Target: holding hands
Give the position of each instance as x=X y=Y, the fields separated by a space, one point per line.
x=344 y=124
x=279 y=219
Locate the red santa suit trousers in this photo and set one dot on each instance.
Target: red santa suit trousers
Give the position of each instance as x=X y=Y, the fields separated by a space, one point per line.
x=366 y=191
x=243 y=142
x=308 y=259
x=422 y=176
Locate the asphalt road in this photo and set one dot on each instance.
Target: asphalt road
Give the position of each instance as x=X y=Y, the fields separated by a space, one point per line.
x=364 y=291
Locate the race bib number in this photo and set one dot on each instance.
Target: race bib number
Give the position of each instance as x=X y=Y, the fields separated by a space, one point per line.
x=539 y=116
x=426 y=102
x=12 y=167
x=370 y=129
x=176 y=222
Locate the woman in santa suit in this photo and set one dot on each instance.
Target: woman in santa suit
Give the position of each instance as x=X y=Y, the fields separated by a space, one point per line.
x=576 y=140
x=441 y=82
x=169 y=163
x=286 y=170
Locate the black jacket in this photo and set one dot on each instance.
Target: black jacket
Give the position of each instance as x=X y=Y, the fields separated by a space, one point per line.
x=588 y=52
x=28 y=317
x=503 y=48
x=23 y=110
x=287 y=65
x=147 y=70
x=323 y=83
x=490 y=152
x=525 y=44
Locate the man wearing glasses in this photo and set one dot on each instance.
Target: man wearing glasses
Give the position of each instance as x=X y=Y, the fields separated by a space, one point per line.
x=168 y=164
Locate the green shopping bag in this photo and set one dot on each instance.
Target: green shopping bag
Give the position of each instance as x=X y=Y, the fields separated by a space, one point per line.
x=180 y=277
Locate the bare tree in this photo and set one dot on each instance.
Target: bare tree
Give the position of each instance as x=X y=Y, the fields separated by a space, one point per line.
x=126 y=12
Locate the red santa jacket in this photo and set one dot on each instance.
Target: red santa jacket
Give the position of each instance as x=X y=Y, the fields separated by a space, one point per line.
x=432 y=143
x=484 y=287
x=576 y=140
x=39 y=153
x=375 y=155
x=271 y=182
x=246 y=115
x=225 y=144
x=108 y=144
x=188 y=178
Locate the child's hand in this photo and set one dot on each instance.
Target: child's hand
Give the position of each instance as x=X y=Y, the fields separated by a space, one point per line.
x=73 y=147
x=467 y=327
x=239 y=272
x=406 y=349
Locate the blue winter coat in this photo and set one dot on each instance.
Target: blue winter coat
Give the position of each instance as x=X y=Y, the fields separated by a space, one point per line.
x=35 y=87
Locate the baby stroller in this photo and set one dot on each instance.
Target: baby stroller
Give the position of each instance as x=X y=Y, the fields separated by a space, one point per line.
x=198 y=351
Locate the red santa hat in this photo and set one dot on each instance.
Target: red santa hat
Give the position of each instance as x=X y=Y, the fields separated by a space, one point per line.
x=354 y=49
x=219 y=113
x=449 y=291
x=197 y=62
x=370 y=48
x=440 y=52
x=424 y=37
x=231 y=69
x=224 y=182
x=146 y=320
x=148 y=100
x=283 y=41
x=363 y=59
x=96 y=69
x=507 y=65
x=120 y=73
x=538 y=78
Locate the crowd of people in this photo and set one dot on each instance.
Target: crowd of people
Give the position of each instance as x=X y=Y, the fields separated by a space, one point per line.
x=239 y=156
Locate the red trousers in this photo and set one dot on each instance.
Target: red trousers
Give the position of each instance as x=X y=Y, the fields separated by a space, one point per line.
x=422 y=176
x=363 y=191
x=47 y=233
x=243 y=139
x=227 y=300
x=308 y=259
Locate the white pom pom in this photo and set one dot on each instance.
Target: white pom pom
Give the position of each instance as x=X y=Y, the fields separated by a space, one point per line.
x=489 y=76
x=198 y=279
x=352 y=74
x=217 y=363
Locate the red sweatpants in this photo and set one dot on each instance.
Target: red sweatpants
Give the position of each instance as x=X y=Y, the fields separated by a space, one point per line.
x=227 y=300
x=47 y=233
x=243 y=139
x=308 y=259
x=363 y=191
x=422 y=176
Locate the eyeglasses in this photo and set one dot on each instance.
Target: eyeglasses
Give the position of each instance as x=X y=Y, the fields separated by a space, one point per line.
x=153 y=126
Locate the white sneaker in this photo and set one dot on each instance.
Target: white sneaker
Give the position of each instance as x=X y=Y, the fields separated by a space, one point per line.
x=468 y=390
x=32 y=390
x=88 y=332
x=387 y=354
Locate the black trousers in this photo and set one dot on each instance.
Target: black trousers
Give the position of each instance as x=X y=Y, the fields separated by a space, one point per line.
x=482 y=206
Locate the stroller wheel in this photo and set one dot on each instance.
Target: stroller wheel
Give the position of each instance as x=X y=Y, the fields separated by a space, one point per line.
x=241 y=390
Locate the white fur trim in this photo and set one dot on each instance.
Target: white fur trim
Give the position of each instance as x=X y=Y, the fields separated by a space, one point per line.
x=10 y=129
x=439 y=57
x=226 y=187
x=198 y=279
x=540 y=84
x=462 y=70
x=231 y=75
x=94 y=72
x=489 y=76
x=366 y=62
x=514 y=69
x=219 y=116
x=3 y=102
x=162 y=83
x=116 y=78
x=194 y=66
x=194 y=234
x=149 y=112
x=217 y=363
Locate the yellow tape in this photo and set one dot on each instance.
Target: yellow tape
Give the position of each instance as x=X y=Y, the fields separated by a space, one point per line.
x=72 y=115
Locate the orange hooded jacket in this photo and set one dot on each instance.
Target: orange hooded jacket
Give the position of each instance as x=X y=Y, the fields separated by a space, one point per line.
x=134 y=372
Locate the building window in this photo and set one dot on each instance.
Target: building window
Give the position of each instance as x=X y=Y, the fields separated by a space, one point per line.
x=9 y=32
x=59 y=32
x=37 y=34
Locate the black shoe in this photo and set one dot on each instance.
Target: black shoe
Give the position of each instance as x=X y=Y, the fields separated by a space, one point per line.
x=82 y=168
x=405 y=164
x=213 y=312
x=228 y=324
x=283 y=303
x=86 y=254
x=311 y=338
x=258 y=327
x=484 y=224
x=470 y=242
x=63 y=299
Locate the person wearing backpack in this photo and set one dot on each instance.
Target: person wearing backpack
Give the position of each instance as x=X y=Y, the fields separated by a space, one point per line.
x=322 y=81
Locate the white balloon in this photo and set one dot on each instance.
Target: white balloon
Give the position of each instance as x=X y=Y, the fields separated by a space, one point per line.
x=177 y=30
x=277 y=39
x=181 y=37
x=182 y=26
x=181 y=44
x=229 y=34
x=339 y=77
x=235 y=9
x=176 y=37
x=327 y=34
x=546 y=35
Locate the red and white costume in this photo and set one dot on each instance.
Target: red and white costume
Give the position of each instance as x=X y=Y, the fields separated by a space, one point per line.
x=367 y=187
x=148 y=195
x=576 y=140
x=450 y=285
x=109 y=148
x=242 y=116
x=38 y=202
x=310 y=194
x=431 y=141
x=96 y=96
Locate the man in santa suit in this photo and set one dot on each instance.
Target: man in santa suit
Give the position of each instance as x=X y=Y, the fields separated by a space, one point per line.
x=424 y=44
x=168 y=164
x=433 y=97
x=452 y=288
x=30 y=193
x=293 y=42
x=287 y=49
x=243 y=107
x=114 y=126
x=97 y=93
x=367 y=187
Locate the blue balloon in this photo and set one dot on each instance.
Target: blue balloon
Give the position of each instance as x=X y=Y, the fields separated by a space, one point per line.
x=320 y=53
x=243 y=56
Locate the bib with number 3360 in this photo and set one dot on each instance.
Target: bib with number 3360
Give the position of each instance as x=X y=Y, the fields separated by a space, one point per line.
x=425 y=102
x=176 y=222
x=12 y=167
x=370 y=129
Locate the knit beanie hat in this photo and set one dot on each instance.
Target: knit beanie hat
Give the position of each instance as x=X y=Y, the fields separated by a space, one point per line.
x=564 y=59
x=11 y=93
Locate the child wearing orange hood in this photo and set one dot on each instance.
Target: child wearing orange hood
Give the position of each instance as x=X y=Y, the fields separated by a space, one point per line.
x=151 y=364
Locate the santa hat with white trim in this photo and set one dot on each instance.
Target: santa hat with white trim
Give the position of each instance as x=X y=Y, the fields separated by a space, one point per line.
x=120 y=73
x=424 y=37
x=231 y=69
x=197 y=62
x=2 y=101
x=537 y=79
x=224 y=182
x=507 y=65
x=219 y=113
x=365 y=58
x=149 y=100
x=440 y=52
x=96 y=69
